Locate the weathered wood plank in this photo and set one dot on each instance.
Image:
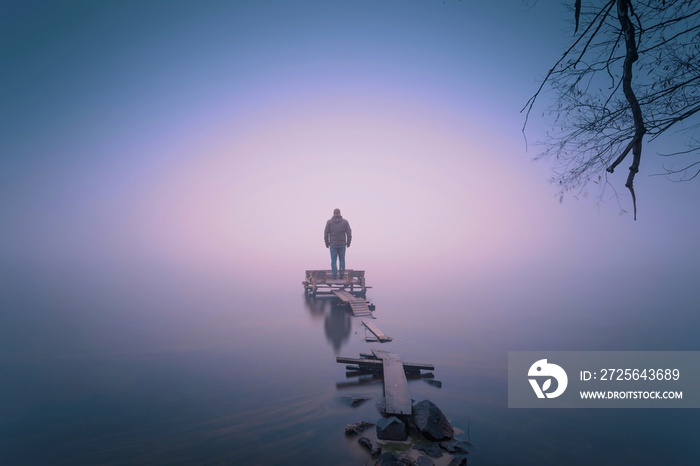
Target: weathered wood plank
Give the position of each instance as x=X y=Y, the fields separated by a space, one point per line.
x=366 y=370
x=377 y=363
x=381 y=336
x=358 y=305
x=397 y=400
x=348 y=297
x=360 y=310
x=322 y=281
x=345 y=296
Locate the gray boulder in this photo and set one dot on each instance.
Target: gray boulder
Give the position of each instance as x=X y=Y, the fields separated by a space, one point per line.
x=414 y=458
x=391 y=428
x=430 y=421
x=456 y=446
x=458 y=461
x=367 y=443
x=431 y=449
x=357 y=427
x=388 y=459
x=353 y=401
x=424 y=461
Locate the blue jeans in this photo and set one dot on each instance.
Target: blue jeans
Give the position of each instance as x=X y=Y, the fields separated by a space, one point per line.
x=339 y=253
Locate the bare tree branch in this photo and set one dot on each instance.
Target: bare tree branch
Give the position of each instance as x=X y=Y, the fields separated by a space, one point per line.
x=650 y=57
x=623 y=9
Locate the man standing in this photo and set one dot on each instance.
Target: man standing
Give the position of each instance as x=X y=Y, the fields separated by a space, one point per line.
x=337 y=236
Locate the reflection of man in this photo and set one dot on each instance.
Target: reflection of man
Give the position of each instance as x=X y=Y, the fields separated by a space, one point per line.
x=337 y=236
x=337 y=326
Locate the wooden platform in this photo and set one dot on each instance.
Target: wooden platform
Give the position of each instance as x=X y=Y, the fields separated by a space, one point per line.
x=357 y=304
x=322 y=281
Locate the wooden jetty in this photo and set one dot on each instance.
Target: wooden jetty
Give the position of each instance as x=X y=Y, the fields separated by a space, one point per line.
x=359 y=305
x=322 y=281
x=349 y=286
x=393 y=369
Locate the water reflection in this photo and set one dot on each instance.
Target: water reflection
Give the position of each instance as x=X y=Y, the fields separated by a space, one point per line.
x=337 y=321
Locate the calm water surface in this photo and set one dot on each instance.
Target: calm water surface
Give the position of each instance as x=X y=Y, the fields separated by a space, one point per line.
x=159 y=367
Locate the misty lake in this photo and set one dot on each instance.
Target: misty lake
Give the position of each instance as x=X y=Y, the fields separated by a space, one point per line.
x=165 y=366
x=168 y=166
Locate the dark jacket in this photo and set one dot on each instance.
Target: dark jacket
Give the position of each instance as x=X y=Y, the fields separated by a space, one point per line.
x=337 y=232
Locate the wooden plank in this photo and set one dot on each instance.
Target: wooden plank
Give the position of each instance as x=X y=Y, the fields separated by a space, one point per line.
x=377 y=363
x=397 y=400
x=346 y=296
x=358 y=305
x=381 y=336
x=360 y=309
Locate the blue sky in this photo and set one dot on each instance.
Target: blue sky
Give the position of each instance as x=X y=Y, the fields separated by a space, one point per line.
x=223 y=134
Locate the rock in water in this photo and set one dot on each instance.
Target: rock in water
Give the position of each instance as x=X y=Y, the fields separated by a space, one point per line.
x=431 y=449
x=458 y=461
x=357 y=427
x=431 y=422
x=424 y=461
x=388 y=459
x=408 y=458
x=391 y=428
x=367 y=443
x=456 y=446
x=353 y=401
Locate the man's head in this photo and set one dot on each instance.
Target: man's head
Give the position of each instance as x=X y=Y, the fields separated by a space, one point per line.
x=336 y=211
